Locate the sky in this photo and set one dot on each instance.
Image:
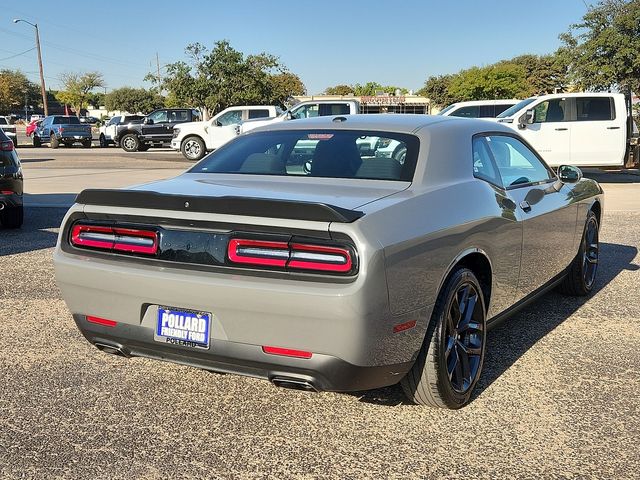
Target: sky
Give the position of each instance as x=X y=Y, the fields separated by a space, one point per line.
x=325 y=42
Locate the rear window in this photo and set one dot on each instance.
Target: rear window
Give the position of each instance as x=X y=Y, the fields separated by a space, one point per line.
x=317 y=153
x=3 y=121
x=260 y=113
x=594 y=109
x=466 y=112
x=66 y=121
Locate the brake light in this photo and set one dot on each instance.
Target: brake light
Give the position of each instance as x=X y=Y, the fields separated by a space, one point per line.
x=294 y=256
x=6 y=146
x=6 y=192
x=286 y=352
x=117 y=239
x=60 y=129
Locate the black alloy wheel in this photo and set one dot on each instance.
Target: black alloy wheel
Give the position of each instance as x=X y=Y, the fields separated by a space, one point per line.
x=590 y=253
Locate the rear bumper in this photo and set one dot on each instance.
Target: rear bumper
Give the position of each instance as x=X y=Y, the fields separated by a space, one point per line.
x=75 y=137
x=10 y=201
x=321 y=372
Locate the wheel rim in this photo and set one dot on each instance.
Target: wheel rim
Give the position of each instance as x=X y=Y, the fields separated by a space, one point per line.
x=129 y=143
x=464 y=336
x=591 y=251
x=192 y=149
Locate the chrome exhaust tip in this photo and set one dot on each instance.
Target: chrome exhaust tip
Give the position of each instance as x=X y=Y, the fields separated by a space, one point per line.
x=294 y=384
x=112 y=349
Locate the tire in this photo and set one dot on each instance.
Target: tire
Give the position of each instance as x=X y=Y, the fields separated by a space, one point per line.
x=36 y=141
x=581 y=274
x=54 y=142
x=193 y=148
x=452 y=331
x=86 y=144
x=103 y=141
x=399 y=154
x=12 y=217
x=130 y=143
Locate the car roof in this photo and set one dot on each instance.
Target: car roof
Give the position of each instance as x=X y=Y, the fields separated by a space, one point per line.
x=473 y=103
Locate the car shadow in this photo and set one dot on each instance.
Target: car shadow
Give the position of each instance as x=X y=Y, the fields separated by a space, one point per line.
x=613 y=176
x=505 y=347
x=36 y=160
x=38 y=232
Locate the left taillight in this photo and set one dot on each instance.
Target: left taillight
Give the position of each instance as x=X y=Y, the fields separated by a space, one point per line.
x=6 y=146
x=117 y=239
x=291 y=255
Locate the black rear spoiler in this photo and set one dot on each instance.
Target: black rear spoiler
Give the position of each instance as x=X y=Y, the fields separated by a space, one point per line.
x=255 y=207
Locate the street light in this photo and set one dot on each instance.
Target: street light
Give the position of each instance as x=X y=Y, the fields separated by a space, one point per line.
x=42 y=87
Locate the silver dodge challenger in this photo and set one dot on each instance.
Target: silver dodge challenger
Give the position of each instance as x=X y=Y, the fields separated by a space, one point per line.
x=333 y=254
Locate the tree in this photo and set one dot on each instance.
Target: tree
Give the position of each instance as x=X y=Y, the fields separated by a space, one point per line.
x=15 y=90
x=543 y=73
x=287 y=84
x=603 y=50
x=76 y=88
x=371 y=88
x=339 y=90
x=492 y=82
x=133 y=100
x=436 y=89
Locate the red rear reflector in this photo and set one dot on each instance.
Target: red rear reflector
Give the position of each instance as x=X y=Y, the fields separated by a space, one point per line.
x=6 y=192
x=286 y=352
x=401 y=327
x=258 y=252
x=115 y=238
x=101 y=321
x=6 y=146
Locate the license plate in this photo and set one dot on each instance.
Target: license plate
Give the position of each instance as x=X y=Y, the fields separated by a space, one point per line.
x=185 y=328
x=78 y=137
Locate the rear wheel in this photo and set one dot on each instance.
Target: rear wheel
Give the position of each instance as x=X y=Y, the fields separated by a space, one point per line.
x=581 y=275
x=86 y=144
x=54 y=142
x=450 y=361
x=12 y=217
x=103 y=141
x=193 y=148
x=36 y=141
x=130 y=143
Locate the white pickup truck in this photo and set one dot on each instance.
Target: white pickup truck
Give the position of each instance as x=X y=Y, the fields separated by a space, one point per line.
x=195 y=139
x=582 y=129
x=307 y=109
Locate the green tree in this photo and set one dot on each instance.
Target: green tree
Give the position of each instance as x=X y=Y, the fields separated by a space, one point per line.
x=492 y=82
x=287 y=84
x=339 y=90
x=603 y=50
x=543 y=73
x=76 y=89
x=436 y=89
x=15 y=89
x=371 y=88
x=133 y=100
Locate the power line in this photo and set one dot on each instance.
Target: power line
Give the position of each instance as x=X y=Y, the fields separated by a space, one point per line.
x=17 y=54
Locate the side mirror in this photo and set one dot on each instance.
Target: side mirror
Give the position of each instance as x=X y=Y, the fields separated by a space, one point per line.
x=147 y=121
x=569 y=174
x=218 y=123
x=527 y=118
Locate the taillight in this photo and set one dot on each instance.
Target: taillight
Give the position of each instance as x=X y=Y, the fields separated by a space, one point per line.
x=117 y=239
x=6 y=146
x=291 y=256
x=101 y=321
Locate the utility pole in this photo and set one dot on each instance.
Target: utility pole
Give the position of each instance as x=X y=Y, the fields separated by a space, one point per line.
x=42 y=86
x=158 y=66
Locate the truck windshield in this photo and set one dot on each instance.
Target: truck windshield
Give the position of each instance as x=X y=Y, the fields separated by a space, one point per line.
x=317 y=153
x=517 y=107
x=446 y=109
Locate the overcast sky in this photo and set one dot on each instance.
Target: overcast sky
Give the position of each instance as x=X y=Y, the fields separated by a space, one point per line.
x=325 y=42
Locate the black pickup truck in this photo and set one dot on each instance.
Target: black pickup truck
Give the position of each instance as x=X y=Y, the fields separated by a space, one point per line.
x=156 y=129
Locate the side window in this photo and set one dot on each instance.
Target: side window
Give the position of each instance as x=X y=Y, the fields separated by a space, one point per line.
x=466 y=112
x=483 y=166
x=159 y=117
x=516 y=163
x=327 y=109
x=595 y=109
x=230 y=118
x=261 y=113
x=178 y=116
x=501 y=108
x=195 y=116
x=487 y=111
x=556 y=110
x=307 y=111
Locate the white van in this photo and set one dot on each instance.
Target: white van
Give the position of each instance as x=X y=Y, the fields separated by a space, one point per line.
x=582 y=129
x=478 y=108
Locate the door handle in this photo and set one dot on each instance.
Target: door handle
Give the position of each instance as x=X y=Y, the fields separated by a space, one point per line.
x=613 y=128
x=561 y=129
x=524 y=205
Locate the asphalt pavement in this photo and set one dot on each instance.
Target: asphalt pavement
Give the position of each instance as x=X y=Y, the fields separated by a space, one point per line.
x=559 y=396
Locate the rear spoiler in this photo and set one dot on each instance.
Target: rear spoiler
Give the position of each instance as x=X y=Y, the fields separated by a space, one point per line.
x=254 y=207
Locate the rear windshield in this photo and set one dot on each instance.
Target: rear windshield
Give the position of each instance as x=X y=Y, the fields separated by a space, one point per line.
x=66 y=121
x=317 y=153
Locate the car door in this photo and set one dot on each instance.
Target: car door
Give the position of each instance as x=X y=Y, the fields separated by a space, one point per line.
x=550 y=132
x=157 y=129
x=543 y=206
x=597 y=132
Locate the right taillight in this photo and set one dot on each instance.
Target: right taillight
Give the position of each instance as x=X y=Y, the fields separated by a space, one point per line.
x=291 y=255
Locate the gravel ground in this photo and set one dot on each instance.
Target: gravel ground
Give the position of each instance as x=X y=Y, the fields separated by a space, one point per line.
x=559 y=396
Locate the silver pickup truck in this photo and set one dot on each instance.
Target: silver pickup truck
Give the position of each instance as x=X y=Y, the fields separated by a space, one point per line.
x=57 y=129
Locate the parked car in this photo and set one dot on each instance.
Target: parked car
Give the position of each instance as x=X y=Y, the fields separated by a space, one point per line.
x=11 y=184
x=32 y=127
x=62 y=129
x=360 y=273
x=477 y=108
x=195 y=139
x=584 y=129
x=155 y=130
x=109 y=132
x=36 y=116
x=307 y=109
x=8 y=129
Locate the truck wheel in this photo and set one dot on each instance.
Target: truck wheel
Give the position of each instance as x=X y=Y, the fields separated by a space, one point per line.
x=54 y=142
x=12 y=217
x=36 y=141
x=193 y=148
x=86 y=143
x=103 y=141
x=130 y=143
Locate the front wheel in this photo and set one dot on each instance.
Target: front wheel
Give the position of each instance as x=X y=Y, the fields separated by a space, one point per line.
x=103 y=141
x=450 y=361
x=130 y=143
x=54 y=142
x=86 y=143
x=581 y=275
x=193 y=148
x=12 y=217
x=36 y=141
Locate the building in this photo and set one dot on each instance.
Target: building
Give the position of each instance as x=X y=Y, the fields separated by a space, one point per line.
x=383 y=103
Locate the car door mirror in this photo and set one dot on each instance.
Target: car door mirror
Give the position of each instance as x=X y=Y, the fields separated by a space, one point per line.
x=527 y=118
x=569 y=174
x=147 y=121
x=218 y=123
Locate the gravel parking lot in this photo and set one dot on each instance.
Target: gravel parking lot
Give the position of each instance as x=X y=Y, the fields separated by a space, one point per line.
x=559 y=396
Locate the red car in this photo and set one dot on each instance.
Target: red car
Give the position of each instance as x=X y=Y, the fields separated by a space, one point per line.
x=31 y=127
